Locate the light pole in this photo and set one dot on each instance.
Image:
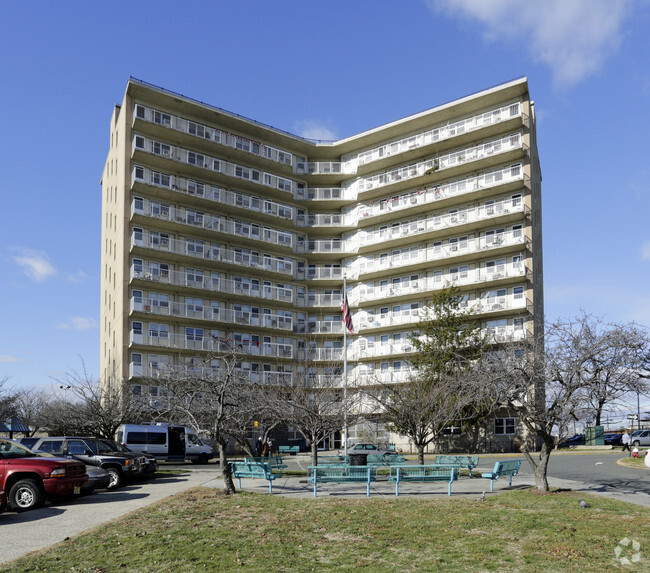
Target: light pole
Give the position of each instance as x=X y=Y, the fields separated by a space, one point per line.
x=65 y=392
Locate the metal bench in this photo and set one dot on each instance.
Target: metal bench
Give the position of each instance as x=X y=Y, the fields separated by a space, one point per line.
x=274 y=461
x=254 y=470
x=508 y=469
x=342 y=474
x=458 y=462
x=291 y=450
x=409 y=473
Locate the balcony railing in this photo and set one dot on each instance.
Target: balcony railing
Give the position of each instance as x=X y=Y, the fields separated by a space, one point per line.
x=366 y=293
x=208 y=133
x=435 y=223
x=322 y=273
x=212 y=164
x=203 y=250
x=446 y=161
x=441 y=133
x=213 y=314
x=242 y=287
x=439 y=252
x=321 y=246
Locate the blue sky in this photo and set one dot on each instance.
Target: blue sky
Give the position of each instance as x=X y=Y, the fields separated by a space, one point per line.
x=323 y=70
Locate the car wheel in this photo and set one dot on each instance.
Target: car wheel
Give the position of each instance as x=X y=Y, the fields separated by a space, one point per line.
x=116 y=478
x=203 y=459
x=636 y=443
x=26 y=494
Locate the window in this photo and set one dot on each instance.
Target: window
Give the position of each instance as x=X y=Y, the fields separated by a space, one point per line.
x=162 y=118
x=136 y=327
x=140 y=111
x=194 y=158
x=504 y=426
x=160 y=148
x=193 y=334
x=158 y=330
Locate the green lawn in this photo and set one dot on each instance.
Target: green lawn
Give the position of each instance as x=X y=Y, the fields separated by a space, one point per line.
x=204 y=530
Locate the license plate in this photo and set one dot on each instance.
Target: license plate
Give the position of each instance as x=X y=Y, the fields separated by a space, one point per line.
x=77 y=490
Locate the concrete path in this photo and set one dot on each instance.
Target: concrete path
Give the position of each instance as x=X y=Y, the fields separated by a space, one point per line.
x=22 y=533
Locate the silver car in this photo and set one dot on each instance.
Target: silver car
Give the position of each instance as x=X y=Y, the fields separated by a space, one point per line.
x=640 y=438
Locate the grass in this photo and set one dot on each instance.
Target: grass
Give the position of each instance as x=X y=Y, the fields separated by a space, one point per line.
x=633 y=462
x=204 y=530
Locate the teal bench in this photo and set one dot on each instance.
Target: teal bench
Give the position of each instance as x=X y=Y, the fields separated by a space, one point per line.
x=274 y=461
x=410 y=473
x=469 y=462
x=507 y=469
x=291 y=450
x=342 y=474
x=254 y=470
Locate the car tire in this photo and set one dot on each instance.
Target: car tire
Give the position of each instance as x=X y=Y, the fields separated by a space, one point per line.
x=203 y=459
x=636 y=443
x=26 y=494
x=116 y=478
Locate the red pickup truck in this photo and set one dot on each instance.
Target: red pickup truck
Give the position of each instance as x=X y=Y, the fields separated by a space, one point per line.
x=29 y=479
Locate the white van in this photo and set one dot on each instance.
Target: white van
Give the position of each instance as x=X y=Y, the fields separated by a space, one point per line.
x=165 y=442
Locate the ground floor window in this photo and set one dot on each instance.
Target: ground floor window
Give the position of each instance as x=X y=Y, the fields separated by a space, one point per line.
x=504 y=426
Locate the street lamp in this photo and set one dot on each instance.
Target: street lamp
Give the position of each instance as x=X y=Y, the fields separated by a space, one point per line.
x=65 y=392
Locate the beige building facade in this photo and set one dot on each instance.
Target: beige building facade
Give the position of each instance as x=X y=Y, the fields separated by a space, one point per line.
x=218 y=228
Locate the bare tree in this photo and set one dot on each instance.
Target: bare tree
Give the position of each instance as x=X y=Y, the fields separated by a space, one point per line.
x=8 y=400
x=422 y=410
x=100 y=408
x=613 y=372
x=30 y=405
x=313 y=405
x=213 y=396
x=546 y=381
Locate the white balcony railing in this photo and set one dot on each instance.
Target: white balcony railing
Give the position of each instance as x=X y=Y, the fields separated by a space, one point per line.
x=439 y=163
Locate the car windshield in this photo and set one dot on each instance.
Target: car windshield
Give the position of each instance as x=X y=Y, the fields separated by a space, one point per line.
x=100 y=447
x=9 y=450
x=115 y=446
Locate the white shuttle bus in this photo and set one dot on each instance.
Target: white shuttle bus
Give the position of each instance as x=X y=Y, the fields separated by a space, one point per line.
x=166 y=442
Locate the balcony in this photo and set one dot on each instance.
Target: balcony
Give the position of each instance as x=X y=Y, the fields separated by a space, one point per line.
x=365 y=266
x=441 y=133
x=202 y=250
x=241 y=287
x=319 y=273
x=462 y=216
x=365 y=293
x=204 y=132
x=382 y=320
x=469 y=155
x=438 y=192
x=321 y=246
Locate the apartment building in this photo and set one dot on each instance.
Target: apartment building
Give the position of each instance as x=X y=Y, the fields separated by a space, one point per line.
x=216 y=227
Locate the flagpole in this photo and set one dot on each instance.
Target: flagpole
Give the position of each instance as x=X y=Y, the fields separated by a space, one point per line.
x=345 y=374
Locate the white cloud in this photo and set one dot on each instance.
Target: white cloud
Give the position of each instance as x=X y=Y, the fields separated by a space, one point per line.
x=312 y=129
x=645 y=251
x=78 y=277
x=79 y=323
x=7 y=358
x=573 y=37
x=35 y=264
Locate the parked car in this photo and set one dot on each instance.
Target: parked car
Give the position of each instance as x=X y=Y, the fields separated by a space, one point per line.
x=640 y=438
x=98 y=478
x=121 y=466
x=151 y=463
x=366 y=448
x=612 y=439
x=29 y=479
x=575 y=440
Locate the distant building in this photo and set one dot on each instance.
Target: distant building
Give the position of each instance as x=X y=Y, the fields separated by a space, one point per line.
x=218 y=227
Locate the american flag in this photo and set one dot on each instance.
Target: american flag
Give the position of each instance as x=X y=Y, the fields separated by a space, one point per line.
x=347 y=316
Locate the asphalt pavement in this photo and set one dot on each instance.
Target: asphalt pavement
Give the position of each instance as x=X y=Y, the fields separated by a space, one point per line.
x=596 y=473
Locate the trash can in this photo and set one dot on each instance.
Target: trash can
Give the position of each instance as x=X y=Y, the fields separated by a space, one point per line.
x=360 y=459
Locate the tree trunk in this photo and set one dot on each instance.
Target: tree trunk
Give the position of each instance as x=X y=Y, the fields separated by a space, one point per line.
x=420 y=454
x=541 y=466
x=226 y=470
x=314 y=452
